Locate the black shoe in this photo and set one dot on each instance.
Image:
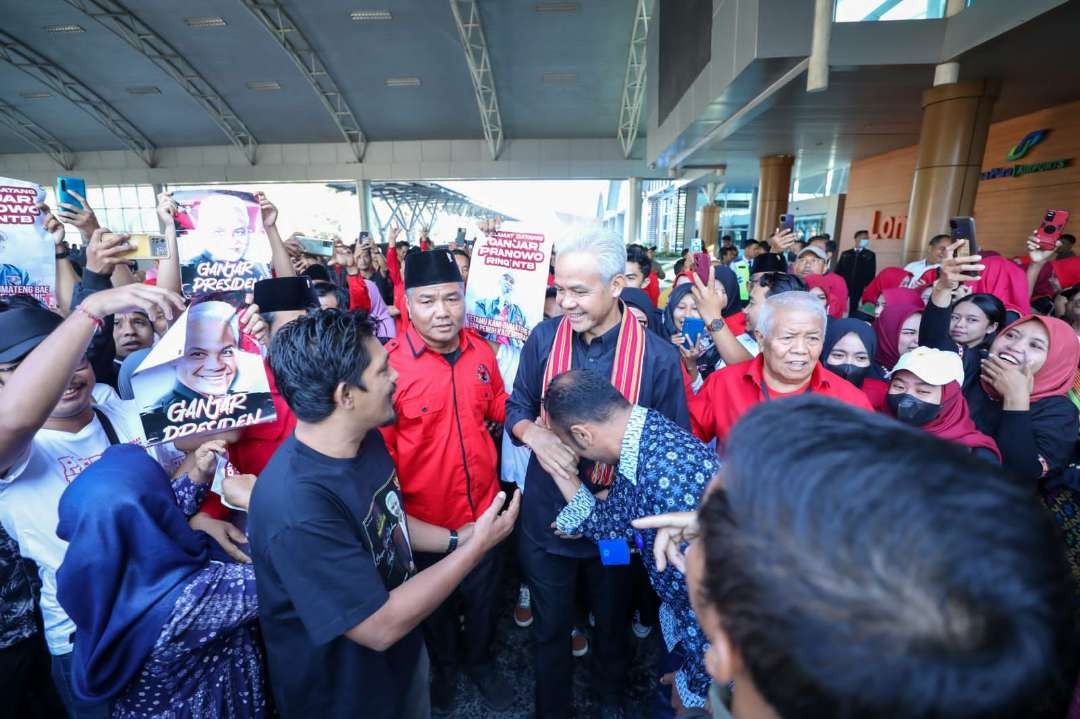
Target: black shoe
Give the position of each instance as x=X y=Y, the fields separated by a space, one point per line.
x=497 y=693
x=608 y=711
x=443 y=689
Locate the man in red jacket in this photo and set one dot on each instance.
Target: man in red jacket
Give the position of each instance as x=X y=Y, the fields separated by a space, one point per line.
x=448 y=390
x=791 y=331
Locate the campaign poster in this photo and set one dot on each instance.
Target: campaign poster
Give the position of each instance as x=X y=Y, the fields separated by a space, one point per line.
x=203 y=376
x=27 y=254
x=508 y=275
x=222 y=242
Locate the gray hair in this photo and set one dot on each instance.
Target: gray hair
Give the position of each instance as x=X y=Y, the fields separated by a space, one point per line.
x=605 y=246
x=798 y=301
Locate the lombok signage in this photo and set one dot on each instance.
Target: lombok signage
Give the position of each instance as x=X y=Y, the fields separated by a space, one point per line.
x=1019 y=150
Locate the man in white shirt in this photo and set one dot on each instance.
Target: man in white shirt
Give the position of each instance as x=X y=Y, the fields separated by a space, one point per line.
x=50 y=430
x=935 y=253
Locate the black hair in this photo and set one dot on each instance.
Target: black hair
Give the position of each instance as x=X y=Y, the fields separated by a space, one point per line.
x=317 y=273
x=991 y=306
x=462 y=253
x=401 y=245
x=680 y=265
x=859 y=233
x=685 y=252
x=314 y=353
x=939 y=238
x=778 y=283
x=1068 y=238
x=20 y=301
x=581 y=395
x=729 y=251
x=815 y=238
x=637 y=254
x=322 y=289
x=870 y=579
x=830 y=245
x=550 y=292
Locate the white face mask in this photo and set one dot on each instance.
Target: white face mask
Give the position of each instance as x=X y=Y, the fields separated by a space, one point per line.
x=864 y=243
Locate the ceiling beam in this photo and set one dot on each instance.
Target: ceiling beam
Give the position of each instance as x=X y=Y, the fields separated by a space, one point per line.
x=65 y=85
x=136 y=33
x=467 y=18
x=36 y=135
x=633 y=95
x=285 y=32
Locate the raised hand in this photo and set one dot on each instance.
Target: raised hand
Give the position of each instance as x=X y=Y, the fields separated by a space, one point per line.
x=53 y=226
x=492 y=527
x=253 y=324
x=154 y=301
x=268 y=209
x=105 y=251
x=1037 y=254
x=954 y=270
x=83 y=218
x=206 y=460
x=783 y=241
x=167 y=208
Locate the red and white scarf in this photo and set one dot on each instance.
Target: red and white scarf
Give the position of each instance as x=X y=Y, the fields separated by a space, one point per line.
x=626 y=373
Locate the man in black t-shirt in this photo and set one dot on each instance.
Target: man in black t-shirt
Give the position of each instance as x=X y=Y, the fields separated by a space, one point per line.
x=339 y=596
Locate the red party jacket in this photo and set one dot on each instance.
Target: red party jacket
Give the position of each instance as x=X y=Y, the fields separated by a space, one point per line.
x=444 y=454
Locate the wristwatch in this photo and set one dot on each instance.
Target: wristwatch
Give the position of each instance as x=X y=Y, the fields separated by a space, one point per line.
x=716 y=325
x=452 y=545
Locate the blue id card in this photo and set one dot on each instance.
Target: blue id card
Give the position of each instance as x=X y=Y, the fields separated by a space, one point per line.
x=614 y=552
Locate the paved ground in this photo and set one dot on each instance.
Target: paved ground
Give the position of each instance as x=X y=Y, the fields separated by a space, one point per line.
x=513 y=648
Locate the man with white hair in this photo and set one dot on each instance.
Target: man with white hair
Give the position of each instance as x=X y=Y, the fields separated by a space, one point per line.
x=790 y=328
x=595 y=333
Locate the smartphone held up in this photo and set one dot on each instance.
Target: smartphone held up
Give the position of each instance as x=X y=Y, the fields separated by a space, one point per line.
x=1050 y=229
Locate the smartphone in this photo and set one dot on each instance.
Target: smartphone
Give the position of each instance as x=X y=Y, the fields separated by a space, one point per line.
x=142 y=247
x=692 y=329
x=703 y=266
x=1050 y=229
x=787 y=223
x=64 y=187
x=285 y=293
x=313 y=246
x=963 y=228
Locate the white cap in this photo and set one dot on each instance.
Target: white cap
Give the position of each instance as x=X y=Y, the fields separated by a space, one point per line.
x=933 y=366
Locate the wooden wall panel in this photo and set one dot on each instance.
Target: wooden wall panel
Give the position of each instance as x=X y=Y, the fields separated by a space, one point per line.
x=1006 y=209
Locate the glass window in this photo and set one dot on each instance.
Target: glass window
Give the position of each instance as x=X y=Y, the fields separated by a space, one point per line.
x=873 y=10
x=146 y=196
x=110 y=197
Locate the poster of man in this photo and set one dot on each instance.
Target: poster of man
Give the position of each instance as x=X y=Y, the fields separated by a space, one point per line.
x=222 y=242
x=200 y=379
x=504 y=298
x=27 y=254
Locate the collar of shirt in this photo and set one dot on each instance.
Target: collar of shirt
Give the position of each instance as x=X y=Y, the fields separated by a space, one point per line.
x=755 y=373
x=417 y=345
x=631 y=441
x=606 y=341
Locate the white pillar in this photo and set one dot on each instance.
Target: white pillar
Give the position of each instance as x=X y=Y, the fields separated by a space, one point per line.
x=363 y=199
x=689 y=211
x=632 y=224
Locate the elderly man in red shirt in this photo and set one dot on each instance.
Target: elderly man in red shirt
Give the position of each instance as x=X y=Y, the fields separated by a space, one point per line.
x=448 y=390
x=791 y=330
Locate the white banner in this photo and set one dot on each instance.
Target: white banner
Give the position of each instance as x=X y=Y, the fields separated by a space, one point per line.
x=27 y=253
x=508 y=276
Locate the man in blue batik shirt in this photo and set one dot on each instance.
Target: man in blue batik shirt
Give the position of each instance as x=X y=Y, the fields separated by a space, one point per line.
x=661 y=468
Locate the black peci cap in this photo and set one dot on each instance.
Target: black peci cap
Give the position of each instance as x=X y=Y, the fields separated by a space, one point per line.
x=22 y=328
x=430 y=268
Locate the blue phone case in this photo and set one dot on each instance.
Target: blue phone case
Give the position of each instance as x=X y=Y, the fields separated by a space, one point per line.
x=692 y=329
x=63 y=187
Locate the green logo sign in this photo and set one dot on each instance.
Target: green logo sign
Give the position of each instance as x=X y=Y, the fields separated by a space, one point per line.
x=1024 y=146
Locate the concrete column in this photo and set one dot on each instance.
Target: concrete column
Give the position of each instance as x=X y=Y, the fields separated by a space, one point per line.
x=632 y=225
x=363 y=199
x=956 y=118
x=772 y=197
x=689 y=211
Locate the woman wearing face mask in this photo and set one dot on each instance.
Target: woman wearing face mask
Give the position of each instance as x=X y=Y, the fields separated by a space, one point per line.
x=897 y=326
x=1021 y=399
x=924 y=391
x=848 y=351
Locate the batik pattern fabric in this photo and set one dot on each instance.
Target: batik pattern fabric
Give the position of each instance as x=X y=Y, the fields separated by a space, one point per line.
x=18 y=594
x=208 y=661
x=189 y=495
x=662 y=468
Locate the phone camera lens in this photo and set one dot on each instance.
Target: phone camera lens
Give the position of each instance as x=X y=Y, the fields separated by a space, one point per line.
x=1050 y=229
